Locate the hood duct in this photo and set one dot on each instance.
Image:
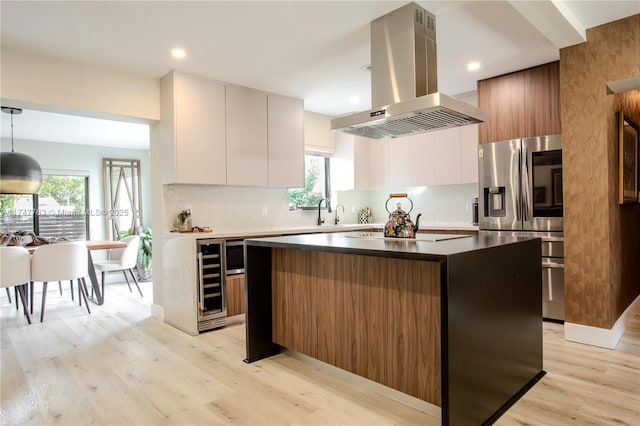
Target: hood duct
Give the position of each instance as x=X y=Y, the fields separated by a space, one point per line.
x=404 y=81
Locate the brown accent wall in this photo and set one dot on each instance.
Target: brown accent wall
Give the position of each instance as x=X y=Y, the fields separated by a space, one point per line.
x=521 y=104
x=602 y=238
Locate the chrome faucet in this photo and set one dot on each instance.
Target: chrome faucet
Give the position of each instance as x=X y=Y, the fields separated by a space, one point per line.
x=328 y=204
x=337 y=219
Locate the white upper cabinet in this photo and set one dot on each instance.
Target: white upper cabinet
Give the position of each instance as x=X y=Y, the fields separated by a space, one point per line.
x=423 y=159
x=378 y=164
x=247 y=151
x=447 y=154
x=343 y=164
x=192 y=130
x=361 y=162
x=469 y=154
x=285 y=124
x=216 y=133
x=399 y=158
x=444 y=157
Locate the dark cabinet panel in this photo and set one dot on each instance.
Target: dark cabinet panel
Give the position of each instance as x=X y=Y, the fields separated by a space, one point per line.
x=520 y=104
x=542 y=106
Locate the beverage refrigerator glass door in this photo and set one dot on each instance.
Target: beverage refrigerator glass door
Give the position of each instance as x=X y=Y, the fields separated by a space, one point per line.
x=212 y=309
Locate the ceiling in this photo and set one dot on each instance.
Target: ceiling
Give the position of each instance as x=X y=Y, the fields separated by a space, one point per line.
x=314 y=50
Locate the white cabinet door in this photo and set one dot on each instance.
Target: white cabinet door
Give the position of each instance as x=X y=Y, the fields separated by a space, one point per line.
x=423 y=159
x=192 y=130
x=447 y=156
x=469 y=154
x=246 y=137
x=399 y=162
x=342 y=163
x=378 y=163
x=285 y=124
x=361 y=162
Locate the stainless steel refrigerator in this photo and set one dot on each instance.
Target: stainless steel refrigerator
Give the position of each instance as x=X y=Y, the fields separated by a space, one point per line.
x=520 y=193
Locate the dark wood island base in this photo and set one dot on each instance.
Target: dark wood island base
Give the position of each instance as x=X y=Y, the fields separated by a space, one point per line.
x=455 y=323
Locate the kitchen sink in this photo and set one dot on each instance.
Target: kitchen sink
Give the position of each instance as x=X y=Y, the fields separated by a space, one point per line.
x=430 y=238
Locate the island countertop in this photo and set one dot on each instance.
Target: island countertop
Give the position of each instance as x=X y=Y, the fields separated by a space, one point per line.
x=433 y=247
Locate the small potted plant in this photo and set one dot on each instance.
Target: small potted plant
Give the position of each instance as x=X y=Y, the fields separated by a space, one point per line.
x=145 y=260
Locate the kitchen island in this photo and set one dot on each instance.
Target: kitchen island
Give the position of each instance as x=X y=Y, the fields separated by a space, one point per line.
x=452 y=320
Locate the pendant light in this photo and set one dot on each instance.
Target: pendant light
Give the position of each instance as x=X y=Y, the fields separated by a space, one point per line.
x=19 y=173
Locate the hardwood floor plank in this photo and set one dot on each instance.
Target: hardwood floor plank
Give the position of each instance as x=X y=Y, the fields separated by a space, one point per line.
x=118 y=366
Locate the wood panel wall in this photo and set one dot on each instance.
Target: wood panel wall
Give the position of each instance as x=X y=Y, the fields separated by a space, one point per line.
x=375 y=317
x=601 y=237
x=520 y=104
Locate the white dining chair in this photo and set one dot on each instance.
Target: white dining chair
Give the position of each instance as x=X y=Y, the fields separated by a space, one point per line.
x=60 y=262
x=121 y=259
x=15 y=271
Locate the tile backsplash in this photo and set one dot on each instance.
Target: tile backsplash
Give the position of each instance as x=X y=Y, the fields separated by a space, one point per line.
x=438 y=204
x=231 y=208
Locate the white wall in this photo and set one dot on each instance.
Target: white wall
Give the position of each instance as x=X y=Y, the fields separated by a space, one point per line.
x=85 y=158
x=56 y=85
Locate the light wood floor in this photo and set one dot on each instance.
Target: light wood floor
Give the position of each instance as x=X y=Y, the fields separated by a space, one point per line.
x=118 y=366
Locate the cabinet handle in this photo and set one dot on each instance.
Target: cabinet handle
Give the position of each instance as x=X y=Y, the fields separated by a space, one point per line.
x=201 y=281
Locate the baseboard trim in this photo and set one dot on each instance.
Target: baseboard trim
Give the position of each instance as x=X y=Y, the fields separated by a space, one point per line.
x=596 y=336
x=157 y=311
x=403 y=398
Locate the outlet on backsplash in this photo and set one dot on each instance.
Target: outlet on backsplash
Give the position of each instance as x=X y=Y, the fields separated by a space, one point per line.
x=264 y=211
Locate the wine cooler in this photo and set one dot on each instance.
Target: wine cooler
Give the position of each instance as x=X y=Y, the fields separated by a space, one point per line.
x=212 y=310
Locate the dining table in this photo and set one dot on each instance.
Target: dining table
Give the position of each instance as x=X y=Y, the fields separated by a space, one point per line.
x=91 y=246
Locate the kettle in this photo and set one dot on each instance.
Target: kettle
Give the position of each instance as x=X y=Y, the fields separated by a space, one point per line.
x=184 y=220
x=399 y=224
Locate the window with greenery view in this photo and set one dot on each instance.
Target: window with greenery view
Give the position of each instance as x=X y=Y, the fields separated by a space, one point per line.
x=58 y=210
x=316 y=184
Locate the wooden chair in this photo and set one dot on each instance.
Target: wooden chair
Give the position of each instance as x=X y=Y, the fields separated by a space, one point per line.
x=60 y=262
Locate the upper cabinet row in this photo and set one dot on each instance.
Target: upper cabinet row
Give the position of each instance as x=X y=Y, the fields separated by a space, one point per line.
x=216 y=133
x=444 y=157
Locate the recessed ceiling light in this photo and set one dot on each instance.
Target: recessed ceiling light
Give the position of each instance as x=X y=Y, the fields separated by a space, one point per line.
x=473 y=66
x=354 y=100
x=178 y=53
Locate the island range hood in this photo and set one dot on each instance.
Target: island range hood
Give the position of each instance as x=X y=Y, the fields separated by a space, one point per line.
x=404 y=82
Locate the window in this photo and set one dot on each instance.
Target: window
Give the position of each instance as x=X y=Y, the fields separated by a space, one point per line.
x=17 y=213
x=122 y=197
x=58 y=210
x=316 y=184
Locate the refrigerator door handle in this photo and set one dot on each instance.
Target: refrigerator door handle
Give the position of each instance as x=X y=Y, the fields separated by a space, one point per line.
x=516 y=184
x=526 y=193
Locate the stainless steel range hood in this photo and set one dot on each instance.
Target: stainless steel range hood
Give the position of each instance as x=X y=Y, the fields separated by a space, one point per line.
x=404 y=81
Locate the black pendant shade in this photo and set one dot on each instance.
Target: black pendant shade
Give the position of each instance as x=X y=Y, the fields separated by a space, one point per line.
x=19 y=173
